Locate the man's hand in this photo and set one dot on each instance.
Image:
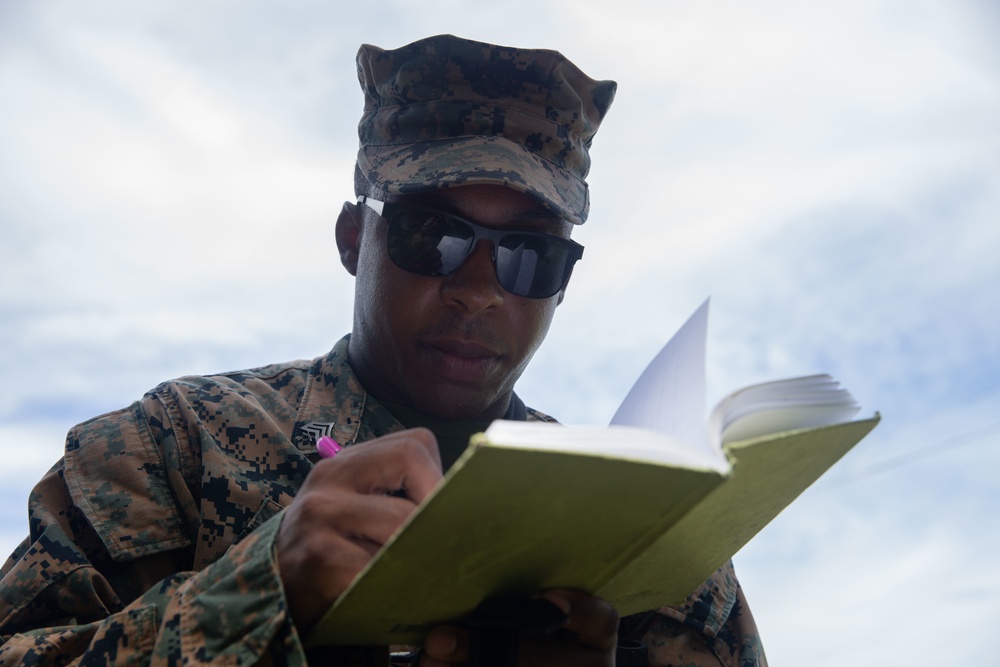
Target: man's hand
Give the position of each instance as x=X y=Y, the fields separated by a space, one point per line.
x=588 y=637
x=343 y=514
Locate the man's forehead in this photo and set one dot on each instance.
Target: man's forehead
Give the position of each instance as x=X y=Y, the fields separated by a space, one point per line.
x=476 y=202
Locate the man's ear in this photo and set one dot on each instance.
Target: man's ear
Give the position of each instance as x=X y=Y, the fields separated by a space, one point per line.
x=349 y=237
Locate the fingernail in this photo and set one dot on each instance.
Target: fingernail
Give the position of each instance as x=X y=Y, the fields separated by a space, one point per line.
x=327 y=447
x=559 y=601
x=440 y=643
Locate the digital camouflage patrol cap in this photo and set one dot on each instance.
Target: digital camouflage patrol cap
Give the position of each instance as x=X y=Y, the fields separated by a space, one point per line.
x=445 y=111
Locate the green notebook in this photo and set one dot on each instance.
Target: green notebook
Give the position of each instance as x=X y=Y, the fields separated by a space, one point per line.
x=639 y=515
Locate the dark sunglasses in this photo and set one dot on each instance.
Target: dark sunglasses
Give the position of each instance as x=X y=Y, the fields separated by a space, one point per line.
x=429 y=242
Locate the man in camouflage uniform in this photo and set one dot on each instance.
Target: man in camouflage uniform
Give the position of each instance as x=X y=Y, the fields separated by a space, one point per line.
x=198 y=525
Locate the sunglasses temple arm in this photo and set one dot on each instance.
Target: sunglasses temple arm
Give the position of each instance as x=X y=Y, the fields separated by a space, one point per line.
x=373 y=204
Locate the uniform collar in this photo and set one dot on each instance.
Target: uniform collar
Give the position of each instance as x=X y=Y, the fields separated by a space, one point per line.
x=335 y=404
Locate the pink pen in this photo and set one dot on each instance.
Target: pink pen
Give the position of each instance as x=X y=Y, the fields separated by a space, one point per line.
x=327 y=447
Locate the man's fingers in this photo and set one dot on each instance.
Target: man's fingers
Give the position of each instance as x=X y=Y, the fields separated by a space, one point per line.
x=357 y=517
x=587 y=638
x=591 y=620
x=445 y=645
x=406 y=460
x=342 y=515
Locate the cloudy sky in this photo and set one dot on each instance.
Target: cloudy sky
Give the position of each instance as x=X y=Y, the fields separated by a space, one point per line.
x=828 y=173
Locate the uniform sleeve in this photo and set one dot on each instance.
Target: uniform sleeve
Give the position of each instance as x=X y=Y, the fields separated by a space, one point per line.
x=712 y=628
x=102 y=581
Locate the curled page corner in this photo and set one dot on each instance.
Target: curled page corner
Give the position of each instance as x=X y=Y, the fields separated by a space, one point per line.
x=669 y=395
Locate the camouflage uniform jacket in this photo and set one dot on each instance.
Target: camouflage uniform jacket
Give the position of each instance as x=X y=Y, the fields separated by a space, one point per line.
x=153 y=540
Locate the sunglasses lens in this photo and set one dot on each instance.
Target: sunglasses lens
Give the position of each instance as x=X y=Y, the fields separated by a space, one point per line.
x=432 y=243
x=530 y=265
x=428 y=243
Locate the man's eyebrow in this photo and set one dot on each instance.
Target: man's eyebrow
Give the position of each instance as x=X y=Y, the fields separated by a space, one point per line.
x=539 y=213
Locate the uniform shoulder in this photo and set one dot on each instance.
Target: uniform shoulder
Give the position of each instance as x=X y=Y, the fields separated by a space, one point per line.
x=270 y=372
x=277 y=388
x=274 y=375
x=534 y=415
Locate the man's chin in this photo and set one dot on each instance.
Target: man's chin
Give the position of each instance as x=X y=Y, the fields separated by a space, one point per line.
x=462 y=405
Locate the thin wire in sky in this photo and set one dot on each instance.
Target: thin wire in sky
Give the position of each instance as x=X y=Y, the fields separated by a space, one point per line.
x=907 y=458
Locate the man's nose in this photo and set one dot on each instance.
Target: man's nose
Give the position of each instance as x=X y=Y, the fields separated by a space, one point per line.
x=473 y=286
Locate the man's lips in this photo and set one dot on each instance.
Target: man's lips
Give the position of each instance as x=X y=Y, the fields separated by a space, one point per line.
x=460 y=360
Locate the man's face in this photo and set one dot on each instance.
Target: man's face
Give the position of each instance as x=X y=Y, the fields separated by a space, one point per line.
x=450 y=346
